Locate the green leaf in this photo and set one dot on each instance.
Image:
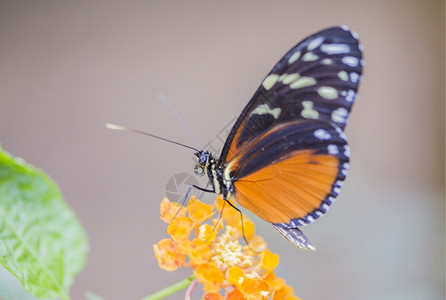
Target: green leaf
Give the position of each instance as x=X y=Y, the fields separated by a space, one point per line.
x=41 y=241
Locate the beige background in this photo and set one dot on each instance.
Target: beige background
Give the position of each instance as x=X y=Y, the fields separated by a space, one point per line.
x=68 y=67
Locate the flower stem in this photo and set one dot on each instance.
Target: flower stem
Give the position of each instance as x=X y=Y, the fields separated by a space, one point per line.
x=171 y=289
x=190 y=289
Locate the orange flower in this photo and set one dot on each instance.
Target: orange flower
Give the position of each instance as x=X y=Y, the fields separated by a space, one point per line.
x=235 y=295
x=180 y=228
x=285 y=293
x=210 y=276
x=275 y=283
x=168 y=210
x=169 y=255
x=269 y=260
x=216 y=255
x=199 y=211
x=197 y=251
x=212 y=296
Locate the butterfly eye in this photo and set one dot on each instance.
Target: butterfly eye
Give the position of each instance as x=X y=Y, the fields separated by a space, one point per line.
x=203 y=158
x=199 y=170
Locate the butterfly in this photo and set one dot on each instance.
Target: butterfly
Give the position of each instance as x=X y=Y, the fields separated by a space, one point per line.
x=287 y=156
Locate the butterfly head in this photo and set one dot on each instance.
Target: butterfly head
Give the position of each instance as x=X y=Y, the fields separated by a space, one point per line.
x=204 y=160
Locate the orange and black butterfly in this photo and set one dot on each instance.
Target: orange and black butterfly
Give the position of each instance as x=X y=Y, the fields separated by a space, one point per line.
x=286 y=157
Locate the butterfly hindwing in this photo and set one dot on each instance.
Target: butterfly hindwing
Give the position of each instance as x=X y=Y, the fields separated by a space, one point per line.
x=292 y=174
x=317 y=80
x=295 y=236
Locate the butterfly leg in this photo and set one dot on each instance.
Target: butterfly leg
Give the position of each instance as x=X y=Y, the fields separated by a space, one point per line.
x=241 y=218
x=183 y=202
x=218 y=220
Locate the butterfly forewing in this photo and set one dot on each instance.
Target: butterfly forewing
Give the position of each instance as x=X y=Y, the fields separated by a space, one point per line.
x=317 y=79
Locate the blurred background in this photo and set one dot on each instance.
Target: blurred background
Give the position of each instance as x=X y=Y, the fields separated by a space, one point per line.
x=68 y=67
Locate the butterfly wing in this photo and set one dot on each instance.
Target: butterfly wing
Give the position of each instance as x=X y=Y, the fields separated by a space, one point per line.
x=316 y=79
x=287 y=155
x=291 y=175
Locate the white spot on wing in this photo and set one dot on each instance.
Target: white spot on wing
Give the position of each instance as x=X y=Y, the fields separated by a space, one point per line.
x=303 y=82
x=328 y=92
x=309 y=218
x=287 y=79
x=351 y=61
x=295 y=56
x=310 y=56
x=265 y=109
x=332 y=149
x=335 y=48
x=339 y=115
x=326 y=61
x=270 y=81
x=350 y=95
x=315 y=43
x=345 y=27
x=347 y=150
x=309 y=112
x=322 y=134
x=354 y=77
x=343 y=75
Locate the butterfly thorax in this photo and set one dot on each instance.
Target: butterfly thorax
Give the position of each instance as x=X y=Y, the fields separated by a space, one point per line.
x=207 y=164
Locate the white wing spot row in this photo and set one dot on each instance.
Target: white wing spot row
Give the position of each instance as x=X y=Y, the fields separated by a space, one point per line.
x=322 y=134
x=265 y=109
x=331 y=49
x=309 y=112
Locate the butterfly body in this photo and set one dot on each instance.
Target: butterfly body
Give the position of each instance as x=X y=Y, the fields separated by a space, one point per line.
x=286 y=157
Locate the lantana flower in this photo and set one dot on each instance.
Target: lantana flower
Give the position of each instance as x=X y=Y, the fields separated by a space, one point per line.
x=211 y=246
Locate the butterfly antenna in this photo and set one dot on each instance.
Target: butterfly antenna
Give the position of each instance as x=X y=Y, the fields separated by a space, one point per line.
x=121 y=128
x=163 y=100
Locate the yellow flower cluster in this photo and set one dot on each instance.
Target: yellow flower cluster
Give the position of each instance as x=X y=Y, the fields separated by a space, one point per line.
x=219 y=261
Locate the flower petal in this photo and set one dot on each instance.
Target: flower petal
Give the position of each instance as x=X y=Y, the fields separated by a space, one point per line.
x=169 y=255
x=207 y=233
x=199 y=211
x=197 y=251
x=257 y=243
x=285 y=293
x=168 y=210
x=210 y=276
x=269 y=260
x=275 y=283
x=235 y=295
x=235 y=276
x=180 y=228
x=212 y=296
x=254 y=288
